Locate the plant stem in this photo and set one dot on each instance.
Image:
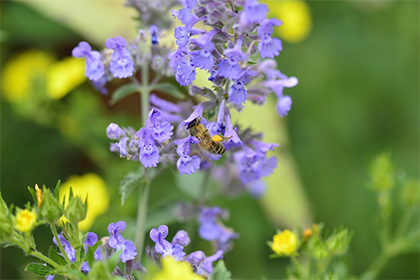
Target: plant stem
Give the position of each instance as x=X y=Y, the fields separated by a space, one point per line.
x=141 y=218
x=373 y=270
x=54 y=231
x=46 y=259
x=297 y=265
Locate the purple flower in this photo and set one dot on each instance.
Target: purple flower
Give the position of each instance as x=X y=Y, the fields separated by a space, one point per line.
x=256 y=188
x=284 y=104
x=99 y=85
x=114 y=132
x=229 y=68
x=68 y=249
x=206 y=267
x=121 y=65
x=237 y=93
x=129 y=251
x=182 y=34
x=91 y=239
x=277 y=86
x=234 y=139
x=203 y=58
x=181 y=238
x=209 y=228
x=249 y=165
x=122 y=147
x=85 y=267
x=162 y=246
x=176 y=57
x=268 y=47
x=186 y=164
x=116 y=239
x=154 y=34
x=149 y=153
x=195 y=258
x=254 y=12
x=162 y=131
x=94 y=69
x=185 y=73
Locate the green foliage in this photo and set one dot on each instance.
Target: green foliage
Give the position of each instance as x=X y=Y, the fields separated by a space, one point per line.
x=76 y=210
x=56 y=257
x=382 y=172
x=129 y=183
x=39 y=269
x=124 y=91
x=220 y=272
x=50 y=210
x=169 y=89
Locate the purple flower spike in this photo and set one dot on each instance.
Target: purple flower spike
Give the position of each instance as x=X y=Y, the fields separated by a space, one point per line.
x=129 y=251
x=121 y=65
x=269 y=47
x=229 y=68
x=116 y=239
x=237 y=93
x=94 y=69
x=162 y=131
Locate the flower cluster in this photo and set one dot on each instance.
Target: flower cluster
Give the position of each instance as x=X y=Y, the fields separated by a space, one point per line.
x=201 y=264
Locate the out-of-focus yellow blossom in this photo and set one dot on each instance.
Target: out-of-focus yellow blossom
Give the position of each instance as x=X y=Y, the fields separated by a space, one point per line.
x=92 y=186
x=22 y=72
x=284 y=243
x=296 y=17
x=25 y=220
x=38 y=75
x=65 y=75
x=176 y=270
x=38 y=195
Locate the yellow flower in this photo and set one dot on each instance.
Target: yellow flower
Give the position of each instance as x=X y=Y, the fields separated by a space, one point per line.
x=38 y=195
x=65 y=75
x=92 y=186
x=284 y=243
x=25 y=220
x=22 y=72
x=175 y=270
x=296 y=17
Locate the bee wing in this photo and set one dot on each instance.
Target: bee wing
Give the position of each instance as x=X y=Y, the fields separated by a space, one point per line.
x=205 y=155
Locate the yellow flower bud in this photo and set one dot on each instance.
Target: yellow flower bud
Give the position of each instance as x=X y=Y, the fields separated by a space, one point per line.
x=38 y=195
x=25 y=220
x=285 y=243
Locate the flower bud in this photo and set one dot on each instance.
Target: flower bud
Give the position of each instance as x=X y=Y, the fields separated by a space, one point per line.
x=25 y=220
x=285 y=243
x=410 y=194
x=382 y=173
x=50 y=210
x=339 y=241
x=76 y=210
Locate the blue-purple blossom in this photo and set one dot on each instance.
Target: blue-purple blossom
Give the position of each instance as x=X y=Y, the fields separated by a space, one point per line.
x=185 y=73
x=170 y=111
x=162 y=131
x=284 y=103
x=269 y=47
x=254 y=12
x=116 y=239
x=256 y=188
x=176 y=57
x=68 y=249
x=203 y=58
x=164 y=247
x=129 y=251
x=114 y=132
x=209 y=228
x=99 y=85
x=229 y=68
x=94 y=69
x=121 y=65
x=149 y=153
x=154 y=34
x=181 y=238
x=205 y=268
x=237 y=93
x=234 y=140
x=186 y=164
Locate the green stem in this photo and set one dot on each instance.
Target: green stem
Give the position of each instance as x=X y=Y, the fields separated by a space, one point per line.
x=54 y=231
x=47 y=260
x=373 y=270
x=403 y=224
x=297 y=265
x=141 y=218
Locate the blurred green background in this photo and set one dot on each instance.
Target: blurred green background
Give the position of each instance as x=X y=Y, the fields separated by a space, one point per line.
x=358 y=95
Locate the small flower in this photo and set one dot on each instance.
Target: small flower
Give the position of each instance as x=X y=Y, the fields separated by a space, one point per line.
x=237 y=93
x=114 y=132
x=149 y=153
x=25 y=220
x=285 y=243
x=162 y=131
x=116 y=239
x=185 y=73
x=284 y=104
x=68 y=249
x=186 y=164
x=181 y=238
x=229 y=68
x=129 y=251
x=121 y=65
x=269 y=47
x=94 y=69
x=254 y=12
x=154 y=34
x=206 y=267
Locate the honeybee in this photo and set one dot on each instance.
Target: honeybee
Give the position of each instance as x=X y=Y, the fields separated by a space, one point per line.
x=207 y=143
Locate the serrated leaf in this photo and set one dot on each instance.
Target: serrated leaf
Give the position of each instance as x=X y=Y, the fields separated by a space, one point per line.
x=56 y=257
x=57 y=190
x=123 y=91
x=220 y=272
x=169 y=89
x=128 y=184
x=39 y=269
x=33 y=194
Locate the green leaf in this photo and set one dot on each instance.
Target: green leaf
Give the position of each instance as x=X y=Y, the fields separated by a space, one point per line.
x=123 y=91
x=128 y=184
x=56 y=257
x=39 y=269
x=90 y=255
x=169 y=89
x=57 y=190
x=162 y=212
x=220 y=272
x=33 y=194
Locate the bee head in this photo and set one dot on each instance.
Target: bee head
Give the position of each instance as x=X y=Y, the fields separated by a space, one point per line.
x=194 y=123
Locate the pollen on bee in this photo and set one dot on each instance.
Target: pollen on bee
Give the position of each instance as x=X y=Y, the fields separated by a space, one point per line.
x=217 y=138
